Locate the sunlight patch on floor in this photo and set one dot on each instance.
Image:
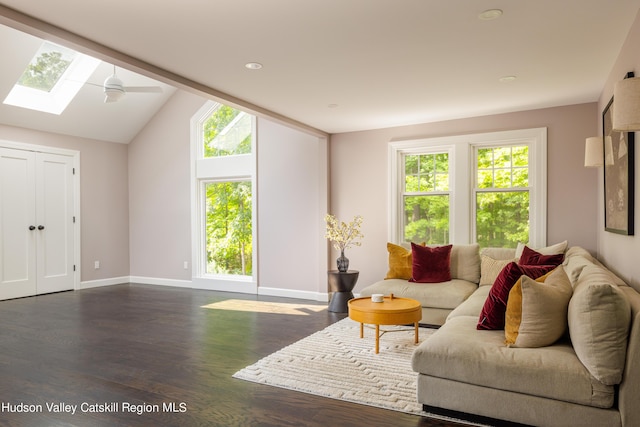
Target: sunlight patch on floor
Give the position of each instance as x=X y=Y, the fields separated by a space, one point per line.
x=266 y=307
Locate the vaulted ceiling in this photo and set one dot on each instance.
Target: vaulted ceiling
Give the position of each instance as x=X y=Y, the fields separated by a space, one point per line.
x=335 y=65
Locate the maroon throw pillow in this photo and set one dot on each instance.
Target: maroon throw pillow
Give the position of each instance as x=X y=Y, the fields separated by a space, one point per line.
x=531 y=257
x=430 y=264
x=495 y=306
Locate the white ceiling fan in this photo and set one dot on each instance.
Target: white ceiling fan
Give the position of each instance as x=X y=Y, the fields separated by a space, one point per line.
x=114 y=89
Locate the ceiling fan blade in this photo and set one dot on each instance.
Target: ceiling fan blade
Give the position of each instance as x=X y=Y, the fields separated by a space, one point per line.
x=143 y=89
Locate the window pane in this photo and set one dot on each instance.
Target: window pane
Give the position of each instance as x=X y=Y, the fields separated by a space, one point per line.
x=411 y=165
x=228 y=227
x=521 y=177
x=503 y=167
x=227 y=132
x=426 y=172
x=426 y=219
x=46 y=68
x=502 y=218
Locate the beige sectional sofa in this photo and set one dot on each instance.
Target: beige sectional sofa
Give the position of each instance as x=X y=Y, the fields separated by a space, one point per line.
x=439 y=299
x=589 y=377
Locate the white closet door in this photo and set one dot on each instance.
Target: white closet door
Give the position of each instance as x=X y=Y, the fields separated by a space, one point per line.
x=54 y=222
x=17 y=215
x=36 y=223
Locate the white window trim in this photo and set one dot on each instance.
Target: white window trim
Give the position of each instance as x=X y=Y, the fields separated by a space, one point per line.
x=396 y=168
x=462 y=169
x=228 y=168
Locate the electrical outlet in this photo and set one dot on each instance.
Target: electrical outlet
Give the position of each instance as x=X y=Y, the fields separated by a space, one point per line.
x=186 y=265
x=96 y=265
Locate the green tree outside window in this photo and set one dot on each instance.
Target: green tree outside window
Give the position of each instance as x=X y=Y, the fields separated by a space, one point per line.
x=502 y=196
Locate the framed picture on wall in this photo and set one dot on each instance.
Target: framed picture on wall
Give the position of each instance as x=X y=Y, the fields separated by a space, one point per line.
x=618 y=175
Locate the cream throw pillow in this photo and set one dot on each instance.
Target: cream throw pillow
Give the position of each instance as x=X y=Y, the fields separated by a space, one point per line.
x=537 y=310
x=490 y=269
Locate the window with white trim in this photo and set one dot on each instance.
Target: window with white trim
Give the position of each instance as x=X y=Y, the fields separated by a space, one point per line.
x=223 y=143
x=496 y=189
x=425 y=197
x=501 y=195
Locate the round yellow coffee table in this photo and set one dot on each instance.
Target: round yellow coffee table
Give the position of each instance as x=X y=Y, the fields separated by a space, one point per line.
x=393 y=311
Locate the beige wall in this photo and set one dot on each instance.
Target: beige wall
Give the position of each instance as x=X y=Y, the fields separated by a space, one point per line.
x=159 y=192
x=104 y=208
x=292 y=201
x=359 y=177
x=618 y=252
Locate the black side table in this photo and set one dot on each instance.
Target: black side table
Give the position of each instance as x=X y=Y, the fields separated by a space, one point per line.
x=341 y=284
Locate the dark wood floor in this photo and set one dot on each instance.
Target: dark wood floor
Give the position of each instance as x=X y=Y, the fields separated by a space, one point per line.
x=139 y=344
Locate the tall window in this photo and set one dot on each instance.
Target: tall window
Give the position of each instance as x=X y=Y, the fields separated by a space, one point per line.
x=502 y=195
x=224 y=180
x=426 y=198
x=487 y=188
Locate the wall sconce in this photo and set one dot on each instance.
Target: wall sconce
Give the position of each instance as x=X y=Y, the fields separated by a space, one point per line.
x=594 y=152
x=626 y=105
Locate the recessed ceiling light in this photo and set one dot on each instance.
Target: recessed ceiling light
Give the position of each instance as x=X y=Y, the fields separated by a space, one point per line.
x=490 y=14
x=253 y=65
x=507 y=79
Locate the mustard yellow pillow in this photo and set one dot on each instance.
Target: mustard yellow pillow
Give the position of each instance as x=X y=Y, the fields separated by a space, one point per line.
x=400 y=262
x=537 y=310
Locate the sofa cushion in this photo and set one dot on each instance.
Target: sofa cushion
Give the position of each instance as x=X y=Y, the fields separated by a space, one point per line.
x=445 y=295
x=400 y=262
x=459 y=352
x=537 y=310
x=490 y=269
x=495 y=306
x=499 y=253
x=430 y=264
x=531 y=257
x=472 y=305
x=599 y=316
x=465 y=262
x=558 y=248
x=574 y=265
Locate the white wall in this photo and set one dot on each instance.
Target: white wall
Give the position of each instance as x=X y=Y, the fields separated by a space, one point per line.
x=292 y=201
x=359 y=177
x=618 y=252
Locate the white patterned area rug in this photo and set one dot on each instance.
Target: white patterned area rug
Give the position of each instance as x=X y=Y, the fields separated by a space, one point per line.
x=336 y=363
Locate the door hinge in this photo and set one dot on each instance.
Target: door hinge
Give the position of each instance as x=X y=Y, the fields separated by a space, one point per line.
x=74 y=170
x=74 y=219
x=74 y=267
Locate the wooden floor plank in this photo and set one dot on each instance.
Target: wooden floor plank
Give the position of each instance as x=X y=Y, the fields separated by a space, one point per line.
x=150 y=345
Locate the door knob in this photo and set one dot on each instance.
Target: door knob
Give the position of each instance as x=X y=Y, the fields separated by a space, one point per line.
x=32 y=227
x=41 y=227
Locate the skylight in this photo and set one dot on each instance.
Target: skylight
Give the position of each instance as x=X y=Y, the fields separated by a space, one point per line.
x=52 y=79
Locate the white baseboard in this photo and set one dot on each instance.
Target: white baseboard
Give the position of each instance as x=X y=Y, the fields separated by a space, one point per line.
x=161 y=282
x=275 y=292
x=292 y=293
x=104 y=282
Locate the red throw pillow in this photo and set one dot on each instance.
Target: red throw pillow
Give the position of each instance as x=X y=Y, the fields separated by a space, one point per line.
x=495 y=306
x=430 y=264
x=531 y=257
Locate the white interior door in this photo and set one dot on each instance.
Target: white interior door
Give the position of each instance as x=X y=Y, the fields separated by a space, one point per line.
x=54 y=222
x=36 y=223
x=17 y=215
